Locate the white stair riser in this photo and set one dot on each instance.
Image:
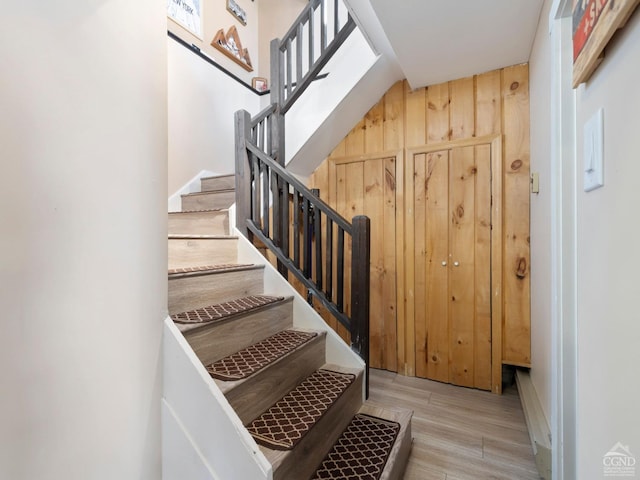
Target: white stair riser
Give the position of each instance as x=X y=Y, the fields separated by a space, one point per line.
x=257 y=393
x=194 y=252
x=199 y=223
x=208 y=200
x=223 y=338
x=211 y=184
x=197 y=291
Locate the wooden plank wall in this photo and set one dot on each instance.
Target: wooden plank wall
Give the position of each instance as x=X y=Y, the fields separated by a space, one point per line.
x=492 y=103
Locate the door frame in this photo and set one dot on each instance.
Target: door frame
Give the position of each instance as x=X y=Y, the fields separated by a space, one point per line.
x=495 y=142
x=564 y=322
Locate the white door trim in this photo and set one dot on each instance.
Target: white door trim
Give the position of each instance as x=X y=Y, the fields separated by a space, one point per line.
x=564 y=245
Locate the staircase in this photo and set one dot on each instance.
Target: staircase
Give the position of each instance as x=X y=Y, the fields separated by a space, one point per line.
x=306 y=415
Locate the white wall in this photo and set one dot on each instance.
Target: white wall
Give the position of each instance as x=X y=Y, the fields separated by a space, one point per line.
x=541 y=213
x=276 y=17
x=359 y=75
x=202 y=103
x=608 y=320
x=83 y=244
x=609 y=261
x=312 y=109
x=215 y=16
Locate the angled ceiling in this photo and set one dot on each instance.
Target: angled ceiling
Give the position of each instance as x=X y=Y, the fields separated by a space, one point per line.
x=439 y=40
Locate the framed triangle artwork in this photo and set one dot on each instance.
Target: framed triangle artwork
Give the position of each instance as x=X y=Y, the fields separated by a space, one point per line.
x=230 y=45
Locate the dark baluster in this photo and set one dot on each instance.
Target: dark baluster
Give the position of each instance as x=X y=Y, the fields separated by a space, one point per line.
x=296 y=228
x=255 y=211
x=360 y=271
x=336 y=19
x=289 y=78
x=260 y=143
x=299 y=54
x=276 y=209
x=264 y=176
x=340 y=271
x=323 y=26
x=317 y=230
x=270 y=125
x=329 y=270
x=311 y=37
x=307 y=236
x=285 y=218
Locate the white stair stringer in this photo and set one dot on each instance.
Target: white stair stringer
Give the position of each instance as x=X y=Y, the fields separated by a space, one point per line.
x=194 y=406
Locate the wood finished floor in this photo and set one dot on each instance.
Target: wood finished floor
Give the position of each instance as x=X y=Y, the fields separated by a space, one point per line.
x=459 y=433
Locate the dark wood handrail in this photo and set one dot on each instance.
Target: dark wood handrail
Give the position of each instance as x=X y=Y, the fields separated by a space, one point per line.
x=299 y=186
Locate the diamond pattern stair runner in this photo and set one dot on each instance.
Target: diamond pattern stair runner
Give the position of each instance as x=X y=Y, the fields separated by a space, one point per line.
x=361 y=452
x=223 y=310
x=286 y=423
x=255 y=357
x=209 y=268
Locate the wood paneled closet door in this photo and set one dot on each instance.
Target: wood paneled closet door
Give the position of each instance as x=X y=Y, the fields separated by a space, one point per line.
x=368 y=187
x=452 y=207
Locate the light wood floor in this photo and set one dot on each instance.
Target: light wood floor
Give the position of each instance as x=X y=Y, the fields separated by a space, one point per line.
x=459 y=433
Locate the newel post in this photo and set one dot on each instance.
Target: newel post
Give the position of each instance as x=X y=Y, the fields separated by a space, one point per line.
x=360 y=259
x=243 y=171
x=277 y=99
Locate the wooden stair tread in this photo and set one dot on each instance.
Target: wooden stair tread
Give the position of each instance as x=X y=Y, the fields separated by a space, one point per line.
x=217 y=177
x=258 y=356
x=205 y=193
x=361 y=451
x=222 y=311
x=211 y=269
x=283 y=425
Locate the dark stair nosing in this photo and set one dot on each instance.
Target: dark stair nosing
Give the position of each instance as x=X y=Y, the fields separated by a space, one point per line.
x=362 y=450
x=176 y=273
x=259 y=356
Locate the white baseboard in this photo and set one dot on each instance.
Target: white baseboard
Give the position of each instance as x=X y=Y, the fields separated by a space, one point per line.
x=539 y=430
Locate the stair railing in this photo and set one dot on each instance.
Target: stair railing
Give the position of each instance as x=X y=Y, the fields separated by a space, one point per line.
x=308 y=238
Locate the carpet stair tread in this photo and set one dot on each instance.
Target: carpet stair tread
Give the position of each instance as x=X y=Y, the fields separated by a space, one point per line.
x=208 y=269
x=259 y=355
x=221 y=311
x=362 y=450
x=283 y=425
x=288 y=365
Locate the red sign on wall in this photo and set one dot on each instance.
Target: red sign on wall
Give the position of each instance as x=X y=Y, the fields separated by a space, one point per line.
x=585 y=17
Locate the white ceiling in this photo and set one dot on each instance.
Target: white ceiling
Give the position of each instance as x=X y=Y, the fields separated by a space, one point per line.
x=439 y=40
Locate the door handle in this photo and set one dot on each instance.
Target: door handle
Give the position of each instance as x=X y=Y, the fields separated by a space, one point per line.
x=444 y=264
x=456 y=264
